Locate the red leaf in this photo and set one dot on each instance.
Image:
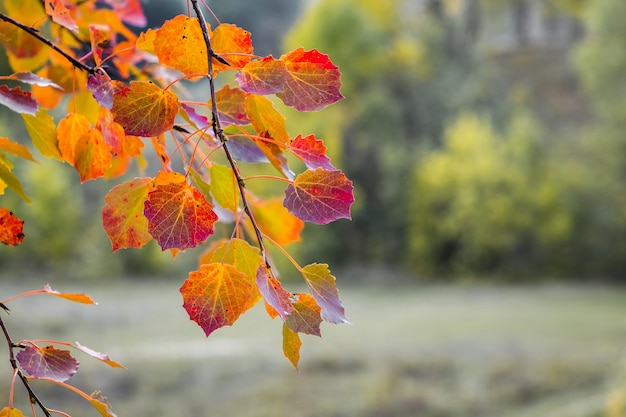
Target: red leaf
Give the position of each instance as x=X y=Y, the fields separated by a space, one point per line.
x=77 y=298
x=267 y=76
x=320 y=196
x=100 y=356
x=178 y=215
x=306 y=315
x=312 y=152
x=273 y=293
x=313 y=81
x=47 y=362
x=291 y=345
x=322 y=285
x=18 y=100
x=216 y=295
x=11 y=228
x=144 y=109
x=122 y=214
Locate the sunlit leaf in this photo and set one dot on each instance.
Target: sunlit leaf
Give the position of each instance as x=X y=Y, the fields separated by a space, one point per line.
x=320 y=196
x=230 y=105
x=323 y=288
x=291 y=345
x=13 y=412
x=60 y=14
x=178 y=215
x=122 y=215
x=101 y=88
x=311 y=151
x=232 y=44
x=77 y=298
x=267 y=121
x=275 y=221
x=267 y=76
x=224 y=187
x=15 y=148
x=18 y=100
x=47 y=362
x=313 y=81
x=144 y=109
x=92 y=156
x=217 y=294
x=43 y=132
x=273 y=293
x=69 y=131
x=11 y=228
x=236 y=252
x=306 y=316
x=101 y=404
x=33 y=79
x=8 y=178
x=179 y=44
x=100 y=356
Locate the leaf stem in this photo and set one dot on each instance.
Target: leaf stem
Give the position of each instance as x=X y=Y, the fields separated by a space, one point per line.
x=35 y=33
x=219 y=133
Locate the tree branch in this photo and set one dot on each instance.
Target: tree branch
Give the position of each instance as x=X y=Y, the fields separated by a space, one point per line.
x=219 y=132
x=35 y=33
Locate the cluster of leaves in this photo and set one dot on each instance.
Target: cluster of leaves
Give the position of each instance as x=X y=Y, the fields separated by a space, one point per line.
x=123 y=90
x=49 y=360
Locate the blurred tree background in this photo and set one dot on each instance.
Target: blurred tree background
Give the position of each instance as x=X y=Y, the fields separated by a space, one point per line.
x=485 y=138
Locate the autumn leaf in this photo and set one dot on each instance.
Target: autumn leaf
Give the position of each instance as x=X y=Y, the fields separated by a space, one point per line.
x=291 y=345
x=324 y=290
x=313 y=81
x=101 y=404
x=101 y=88
x=69 y=131
x=179 y=44
x=99 y=356
x=236 y=252
x=266 y=120
x=306 y=315
x=18 y=100
x=60 y=14
x=11 y=228
x=144 y=109
x=311 y=151
x=197 y=120
x=12 y=412
x=273 y=293
x=275 y=221
x=267 y=76
x=224 y=187
x=15 y=148
x=43 y=132
x=8 y=178
x=92 y=156
x=33 y=79
x=320 y=196
x=77 y=298
x=122 y=214
x=217 y=294
x=232 y=44
x=178 y=215
x=230 y=105
x=47 y=362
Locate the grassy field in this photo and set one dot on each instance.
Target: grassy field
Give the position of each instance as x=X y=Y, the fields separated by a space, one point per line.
x=550 y=351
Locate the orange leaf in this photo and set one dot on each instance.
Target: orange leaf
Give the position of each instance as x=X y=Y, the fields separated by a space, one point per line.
x=267 y=76
x=15 y=149
x=233 y=44
x=179 y=44
x=11 y=228
x=217 y=294
x=122 y=214
x=101 y=404
x=77 y=298
x=60 y=14
x=144 y=109
x=230 y=105
x=13 y=412
x=178 y=215
x=266 y=120
x=92 y=156
x=275 y=221
x=69 y=131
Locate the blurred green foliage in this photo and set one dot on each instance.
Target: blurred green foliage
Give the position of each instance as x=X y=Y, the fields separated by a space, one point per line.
x=475 y=153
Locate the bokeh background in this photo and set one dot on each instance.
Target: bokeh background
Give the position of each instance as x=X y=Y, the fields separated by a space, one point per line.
x=483 y=270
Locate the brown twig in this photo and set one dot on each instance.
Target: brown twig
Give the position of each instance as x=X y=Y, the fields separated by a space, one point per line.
x=219 y=132
x=35 y=33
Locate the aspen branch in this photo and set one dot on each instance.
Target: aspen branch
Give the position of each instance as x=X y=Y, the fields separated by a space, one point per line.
x=219 y=132
x=35 y=33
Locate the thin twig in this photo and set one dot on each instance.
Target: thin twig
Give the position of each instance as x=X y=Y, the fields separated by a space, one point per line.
x=35 y=33
x=219 y=132
x=31 y=394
